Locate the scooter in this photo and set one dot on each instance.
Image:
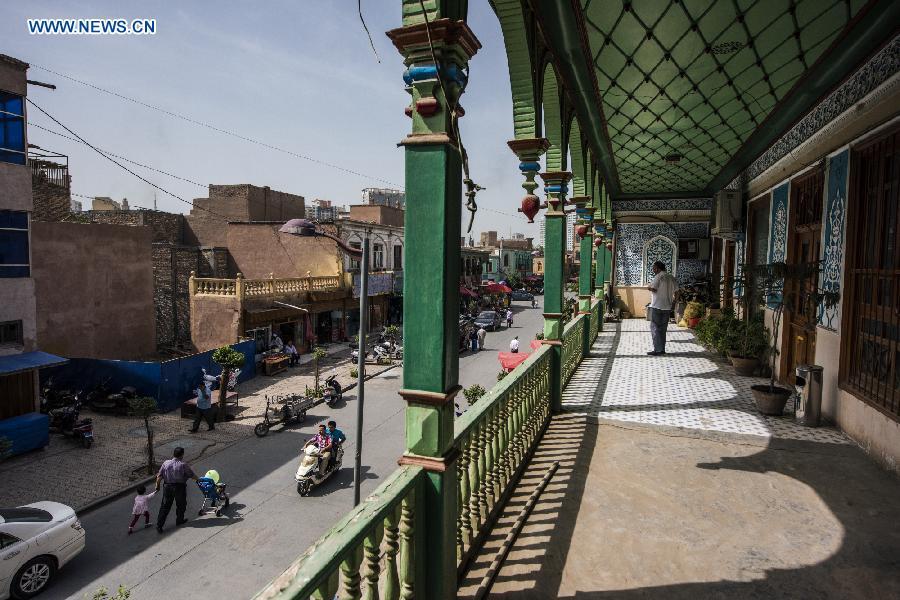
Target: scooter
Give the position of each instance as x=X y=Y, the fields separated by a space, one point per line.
x=65 y=421
x=308 y=474
x=333 y=391
x=117 y=402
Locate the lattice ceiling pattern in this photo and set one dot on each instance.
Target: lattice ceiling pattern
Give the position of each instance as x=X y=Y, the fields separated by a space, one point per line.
x=695 y=78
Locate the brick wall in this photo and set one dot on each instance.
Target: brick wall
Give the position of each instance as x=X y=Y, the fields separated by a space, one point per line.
x=51 y=202
x=166 y=227
x=172 y=266
x=214 y=263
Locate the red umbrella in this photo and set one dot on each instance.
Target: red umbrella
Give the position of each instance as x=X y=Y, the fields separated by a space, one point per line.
x=511 y=360
x=535 y=344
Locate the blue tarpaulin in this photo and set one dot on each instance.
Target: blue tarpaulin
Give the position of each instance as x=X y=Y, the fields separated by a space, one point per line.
x=17 y=363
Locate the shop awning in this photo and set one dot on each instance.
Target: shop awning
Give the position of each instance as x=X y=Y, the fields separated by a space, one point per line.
x=17 y=363
x=464 y=291
x=498 y=288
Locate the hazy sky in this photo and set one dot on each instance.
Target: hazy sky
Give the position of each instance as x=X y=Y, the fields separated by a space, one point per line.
x=299 y=75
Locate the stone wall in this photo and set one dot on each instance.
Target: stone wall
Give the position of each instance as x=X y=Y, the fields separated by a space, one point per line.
x=94 y=290
x=258 y=249
x=51 y=202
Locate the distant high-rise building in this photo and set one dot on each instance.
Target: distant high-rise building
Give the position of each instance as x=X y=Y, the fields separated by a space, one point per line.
x=489 y=238
x=384 y=197
x=570 y=231
x=322 y=211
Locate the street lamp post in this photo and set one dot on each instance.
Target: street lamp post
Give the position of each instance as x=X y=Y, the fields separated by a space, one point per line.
x=303 y=227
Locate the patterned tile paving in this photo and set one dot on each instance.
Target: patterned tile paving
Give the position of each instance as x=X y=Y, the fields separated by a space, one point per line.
x=685 y=388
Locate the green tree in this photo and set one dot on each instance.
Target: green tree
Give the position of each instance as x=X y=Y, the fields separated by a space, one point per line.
x=229 y=359
x=145 y=407
x=473 y=393
x=318 y=354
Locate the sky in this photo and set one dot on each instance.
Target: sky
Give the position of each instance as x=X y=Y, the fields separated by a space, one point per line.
x=297 y=75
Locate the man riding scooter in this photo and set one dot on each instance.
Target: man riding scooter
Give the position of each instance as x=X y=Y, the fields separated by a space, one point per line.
x=323 y=442
x=337 y=438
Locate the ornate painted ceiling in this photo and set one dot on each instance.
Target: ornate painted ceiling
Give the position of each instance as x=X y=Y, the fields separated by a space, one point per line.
x=694 y=79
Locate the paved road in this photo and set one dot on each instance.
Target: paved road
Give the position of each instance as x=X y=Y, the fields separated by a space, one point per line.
x=268 y=525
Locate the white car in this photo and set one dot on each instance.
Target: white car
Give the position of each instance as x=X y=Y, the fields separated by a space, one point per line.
x=36 y=540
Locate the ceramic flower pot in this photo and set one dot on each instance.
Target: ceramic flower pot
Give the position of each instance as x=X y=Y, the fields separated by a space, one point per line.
x=744 y=366
x=693 y=321
x=770 y=401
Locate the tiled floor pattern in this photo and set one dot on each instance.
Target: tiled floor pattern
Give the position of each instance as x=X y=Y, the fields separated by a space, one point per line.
x=686 y=388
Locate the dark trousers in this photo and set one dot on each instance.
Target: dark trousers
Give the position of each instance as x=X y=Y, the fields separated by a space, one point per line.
x=659 y=323
x=172 y=492
x=208 y=415
x=294 y=359
x=134 y=519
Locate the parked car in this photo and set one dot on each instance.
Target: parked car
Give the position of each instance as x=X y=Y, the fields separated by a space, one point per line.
x=522 y=295
x=488 y=319
x=36 y=540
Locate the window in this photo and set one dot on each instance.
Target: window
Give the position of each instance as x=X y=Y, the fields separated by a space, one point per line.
x=870 y=353
x=354 y=264
x=378 y=256
x=11 y=333
x=14 y=259
x=398 y=258
x=12 y=128
x=506 y=260
x=7 y=540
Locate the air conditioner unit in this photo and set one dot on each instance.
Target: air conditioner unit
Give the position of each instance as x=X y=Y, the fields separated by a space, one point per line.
x=728 y=214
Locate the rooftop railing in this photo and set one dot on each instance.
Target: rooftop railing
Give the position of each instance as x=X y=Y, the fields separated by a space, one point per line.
x=262 y=288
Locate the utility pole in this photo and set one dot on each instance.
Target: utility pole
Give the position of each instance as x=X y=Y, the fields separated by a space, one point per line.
x=361 y=363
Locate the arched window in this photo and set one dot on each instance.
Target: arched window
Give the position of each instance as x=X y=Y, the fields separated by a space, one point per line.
x=662 y=249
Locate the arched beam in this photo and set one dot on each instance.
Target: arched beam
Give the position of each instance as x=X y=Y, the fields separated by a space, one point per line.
x=576 y=149
x=551 y=111
x=518 y=58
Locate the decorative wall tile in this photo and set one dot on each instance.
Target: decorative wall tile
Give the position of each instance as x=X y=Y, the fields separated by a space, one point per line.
x=739 y=260
x=631 y=238
x=835 y=211
x=778 y=224
x=687 y=269
x=620 y=206
x=660 y=249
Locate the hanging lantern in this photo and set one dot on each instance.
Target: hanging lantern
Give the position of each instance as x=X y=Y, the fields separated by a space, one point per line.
x=531 y=204
x=598 y=241
x=609 y=246
x=581 y=231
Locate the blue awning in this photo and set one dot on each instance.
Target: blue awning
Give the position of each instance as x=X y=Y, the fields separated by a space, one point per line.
x=16 y=363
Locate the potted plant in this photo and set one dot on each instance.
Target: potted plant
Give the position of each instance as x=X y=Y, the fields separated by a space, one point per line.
x=693 y=312
x=781 y=287
x=747 y=345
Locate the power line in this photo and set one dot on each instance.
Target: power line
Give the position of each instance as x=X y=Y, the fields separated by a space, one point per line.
x=120 y=157
x=115 y=162
x=215 y=128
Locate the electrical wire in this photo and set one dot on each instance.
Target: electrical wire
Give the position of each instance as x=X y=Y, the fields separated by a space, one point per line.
x=120 y=165
x=218 y=129
x=363 y=21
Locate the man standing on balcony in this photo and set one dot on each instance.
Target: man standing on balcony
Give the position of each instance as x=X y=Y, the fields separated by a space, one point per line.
x=662 y=295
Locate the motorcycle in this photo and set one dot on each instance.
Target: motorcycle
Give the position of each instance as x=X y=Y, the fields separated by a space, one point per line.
x=308 y=473
x=281 y=410
x=117 y=402
x=333 y=391
x=52 y=398
x=65 y=420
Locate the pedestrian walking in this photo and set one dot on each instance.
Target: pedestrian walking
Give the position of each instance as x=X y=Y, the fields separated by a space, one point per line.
x=662 y=296
x=514 y=345
x=533 y=302
x=204 y=404
x=172 y=477
x=508 y=318
x=473 y=340
x=482 y=333
x=141 y=508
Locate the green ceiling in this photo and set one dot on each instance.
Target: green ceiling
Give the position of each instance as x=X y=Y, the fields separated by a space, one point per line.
x=697 y=77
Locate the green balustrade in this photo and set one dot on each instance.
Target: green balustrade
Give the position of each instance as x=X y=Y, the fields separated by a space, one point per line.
x=367 y=554
x=572 y=346
x=495 y=439
x=596 y=315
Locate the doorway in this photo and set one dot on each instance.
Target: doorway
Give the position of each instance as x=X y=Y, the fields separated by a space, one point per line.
x=798 y=341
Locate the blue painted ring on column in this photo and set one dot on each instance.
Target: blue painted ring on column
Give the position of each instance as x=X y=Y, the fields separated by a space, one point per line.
x=556 y=189
x=455 y=73
x=529 y=166
x=419 y=73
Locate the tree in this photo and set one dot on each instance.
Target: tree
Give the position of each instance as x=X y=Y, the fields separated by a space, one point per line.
x=144 y=407
x=473 y=393
x=229 y=359
x=318 y=354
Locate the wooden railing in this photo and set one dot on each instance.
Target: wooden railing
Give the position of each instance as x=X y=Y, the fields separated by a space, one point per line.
x=369 y=553
x=495 y=439
x=260 y=288
x=573 y=346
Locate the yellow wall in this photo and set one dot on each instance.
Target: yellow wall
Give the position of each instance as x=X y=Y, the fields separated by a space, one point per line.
x=634 y=299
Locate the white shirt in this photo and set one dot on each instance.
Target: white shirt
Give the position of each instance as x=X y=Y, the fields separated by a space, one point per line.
x=514 y=346
x=664 y=295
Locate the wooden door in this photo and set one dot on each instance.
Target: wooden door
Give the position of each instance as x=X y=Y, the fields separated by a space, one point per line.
x=17 y=393
x=805 y=226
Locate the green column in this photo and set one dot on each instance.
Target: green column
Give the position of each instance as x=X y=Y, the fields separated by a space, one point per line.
x=584 y=236
x=431 y=281
x=555 y=186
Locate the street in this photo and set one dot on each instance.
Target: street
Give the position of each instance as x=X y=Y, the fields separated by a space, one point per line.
x=267 y=525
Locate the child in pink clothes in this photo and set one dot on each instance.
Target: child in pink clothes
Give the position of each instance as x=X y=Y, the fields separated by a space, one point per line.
x=141 y=507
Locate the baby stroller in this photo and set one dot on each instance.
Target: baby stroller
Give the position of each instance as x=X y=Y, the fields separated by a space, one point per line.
x=213 y=492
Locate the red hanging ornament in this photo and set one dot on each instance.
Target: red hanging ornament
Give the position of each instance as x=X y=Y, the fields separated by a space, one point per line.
x=530 y=207
x=598 y=242
x=581 y=230
x=609 y=247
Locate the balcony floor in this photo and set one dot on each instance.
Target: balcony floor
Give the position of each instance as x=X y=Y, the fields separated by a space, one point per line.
x=671 y=485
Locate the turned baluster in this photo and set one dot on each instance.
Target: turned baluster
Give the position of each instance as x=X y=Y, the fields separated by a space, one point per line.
x=392 y=546
x=372 y=553
x=407 y=548
x=496 y=471
x=474 y=515
x=327 y=589
x=462 y=476
x=483 y=466
x=350 y=572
